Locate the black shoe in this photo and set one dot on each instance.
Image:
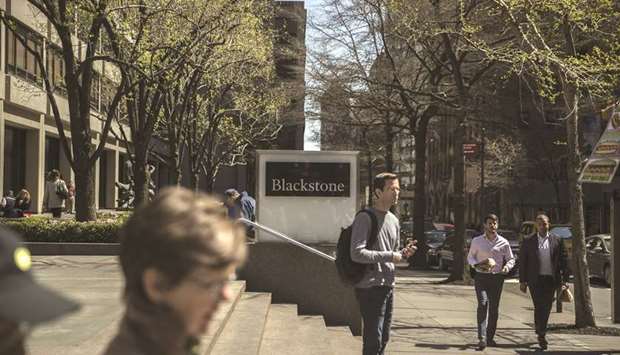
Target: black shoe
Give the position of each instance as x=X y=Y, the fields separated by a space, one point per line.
x=491 y=343
x=482 y=344
x=542 y=341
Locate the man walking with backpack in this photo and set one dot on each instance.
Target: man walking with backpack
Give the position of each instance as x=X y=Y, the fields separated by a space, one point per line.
x=375 y=292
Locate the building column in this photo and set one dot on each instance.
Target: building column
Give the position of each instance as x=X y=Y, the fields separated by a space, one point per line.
x=35 y=165
x=96 y=172
x=2 y=140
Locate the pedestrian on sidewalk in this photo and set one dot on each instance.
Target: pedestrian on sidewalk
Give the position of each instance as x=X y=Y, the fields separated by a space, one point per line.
x=543 y=268
x=24 y=303
x=55 y=194
x=241 y=205
x=177 y=254
x=490 y=254
x=375 y=292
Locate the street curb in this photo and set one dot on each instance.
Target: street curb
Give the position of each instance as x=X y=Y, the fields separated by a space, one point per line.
x=41 y=248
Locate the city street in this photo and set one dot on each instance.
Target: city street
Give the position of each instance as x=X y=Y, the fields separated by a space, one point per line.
x=429 y=317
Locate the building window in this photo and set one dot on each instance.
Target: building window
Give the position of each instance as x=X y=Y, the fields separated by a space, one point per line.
x=19 y=60
x=14 y=159
x=56 y=69
x=103 y=178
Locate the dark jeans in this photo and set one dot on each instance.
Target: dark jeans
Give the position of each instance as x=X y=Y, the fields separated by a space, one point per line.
x=56 y=212
x=542 y=295
x=488 y=292
x=376 y=304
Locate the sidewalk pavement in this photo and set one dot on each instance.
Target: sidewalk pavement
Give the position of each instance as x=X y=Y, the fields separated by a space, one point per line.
x=432 y=318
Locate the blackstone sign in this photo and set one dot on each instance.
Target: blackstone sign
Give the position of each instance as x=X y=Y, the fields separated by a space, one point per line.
x=308 y=179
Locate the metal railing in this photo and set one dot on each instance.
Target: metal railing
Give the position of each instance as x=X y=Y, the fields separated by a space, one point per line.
x=286 y=238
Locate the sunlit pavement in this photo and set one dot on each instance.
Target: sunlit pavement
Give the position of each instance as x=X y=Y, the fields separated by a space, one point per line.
x=437 y=318
x=429 y=318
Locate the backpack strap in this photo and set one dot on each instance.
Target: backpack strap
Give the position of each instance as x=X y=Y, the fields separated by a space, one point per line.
x=374 y=230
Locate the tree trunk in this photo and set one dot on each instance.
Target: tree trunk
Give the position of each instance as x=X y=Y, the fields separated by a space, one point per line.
x=458 y=269
x=85 y=193
x=195 y=181
x=141 y=180
x=584 y=313
x=419 y=204
x=174 y=173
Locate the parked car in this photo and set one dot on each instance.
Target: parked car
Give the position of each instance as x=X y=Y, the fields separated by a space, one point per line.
x=444 y=226
x=406 y=230
x=564 y=231
x=598 y=253
x=445 y=254
x=527 y=228
x=434 y=240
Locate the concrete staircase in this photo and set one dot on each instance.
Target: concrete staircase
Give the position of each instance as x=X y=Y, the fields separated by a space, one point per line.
x=250 y=324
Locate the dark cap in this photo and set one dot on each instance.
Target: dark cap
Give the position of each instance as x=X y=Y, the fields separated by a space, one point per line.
x=22 y=299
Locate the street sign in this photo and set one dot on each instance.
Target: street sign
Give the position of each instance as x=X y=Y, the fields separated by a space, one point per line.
x=602 y=164
x=470 y=148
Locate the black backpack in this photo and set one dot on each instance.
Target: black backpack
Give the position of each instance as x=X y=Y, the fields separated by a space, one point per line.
x=349 y=271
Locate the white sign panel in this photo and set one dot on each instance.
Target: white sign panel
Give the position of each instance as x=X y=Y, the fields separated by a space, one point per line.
x=306 y=195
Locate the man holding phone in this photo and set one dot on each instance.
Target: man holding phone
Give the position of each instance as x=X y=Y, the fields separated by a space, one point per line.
x=375 y=292
x=490 y=254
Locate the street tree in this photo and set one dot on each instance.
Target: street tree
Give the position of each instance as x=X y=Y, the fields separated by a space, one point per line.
x=164 y=51
x=229 y=101
x=391 y=80
x=568 y=50
x=79 y=28
x=439 y=27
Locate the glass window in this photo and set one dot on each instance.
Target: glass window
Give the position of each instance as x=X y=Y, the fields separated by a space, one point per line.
x=21 y=61
x=14 y=159
x=103 y=178
x=562 y=232
x=52 y=153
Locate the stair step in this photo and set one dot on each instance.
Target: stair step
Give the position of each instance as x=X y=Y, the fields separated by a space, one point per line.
x=287 y=333
x=243 y=332
x=220 y=317
x=343 y=342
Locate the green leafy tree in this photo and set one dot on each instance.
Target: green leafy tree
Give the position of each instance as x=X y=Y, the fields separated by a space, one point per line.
x=569 y=51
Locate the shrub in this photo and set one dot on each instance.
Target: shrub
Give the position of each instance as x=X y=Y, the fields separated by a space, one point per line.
x=44 y=229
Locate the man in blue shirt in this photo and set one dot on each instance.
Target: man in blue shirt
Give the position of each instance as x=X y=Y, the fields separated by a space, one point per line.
x=241 y=205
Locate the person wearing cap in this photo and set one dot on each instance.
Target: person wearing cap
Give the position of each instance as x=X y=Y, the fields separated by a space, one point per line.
x=177 y=255
x=23 y=302
x=241 y=205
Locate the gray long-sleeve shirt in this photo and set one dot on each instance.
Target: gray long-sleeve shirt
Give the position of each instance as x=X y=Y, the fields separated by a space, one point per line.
x=381 y=254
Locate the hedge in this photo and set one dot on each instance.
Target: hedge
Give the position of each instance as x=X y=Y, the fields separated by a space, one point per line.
x=44 y=229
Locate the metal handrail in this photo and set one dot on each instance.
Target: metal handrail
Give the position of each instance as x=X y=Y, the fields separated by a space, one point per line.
x=286 y=238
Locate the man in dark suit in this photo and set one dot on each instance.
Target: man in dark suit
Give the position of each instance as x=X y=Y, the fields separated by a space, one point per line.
x=543 y=268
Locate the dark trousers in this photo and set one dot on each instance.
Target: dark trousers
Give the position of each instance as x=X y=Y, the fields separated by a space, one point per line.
x=376 y=304
x=542 y=294
x=488 y=292
x=56 y=212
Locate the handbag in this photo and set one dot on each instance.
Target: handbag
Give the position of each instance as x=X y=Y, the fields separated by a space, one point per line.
x=566 y=295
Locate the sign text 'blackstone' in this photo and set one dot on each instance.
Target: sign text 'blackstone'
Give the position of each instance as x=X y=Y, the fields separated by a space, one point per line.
x=308 y=179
